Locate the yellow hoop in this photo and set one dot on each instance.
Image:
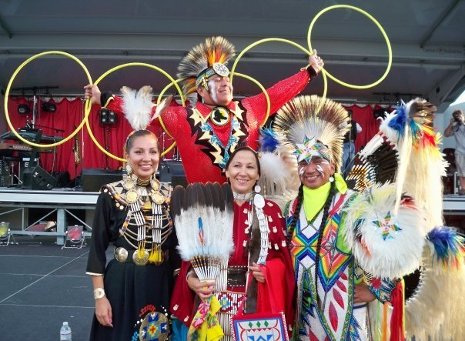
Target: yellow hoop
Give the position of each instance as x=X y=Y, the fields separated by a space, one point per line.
x=167 y=150
x=7 y=93
x=282 y=40
x=118 y=67
x=388 y=44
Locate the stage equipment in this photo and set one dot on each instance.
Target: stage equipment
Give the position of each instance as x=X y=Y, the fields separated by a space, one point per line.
x=49 y=107
x=107 y=117
x=93 y=179
x=172 y=171
x=7 y=94
x=24 y=109
x=6 y=178
x=38 y=179
x=31 y=135
x=5 y=234
x=74 y=237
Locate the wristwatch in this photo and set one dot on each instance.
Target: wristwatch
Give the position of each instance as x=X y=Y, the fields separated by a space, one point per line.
x=99 y=293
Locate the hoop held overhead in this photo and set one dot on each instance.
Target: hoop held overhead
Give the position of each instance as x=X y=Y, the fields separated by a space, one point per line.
x=105 y=74
x=386 y=38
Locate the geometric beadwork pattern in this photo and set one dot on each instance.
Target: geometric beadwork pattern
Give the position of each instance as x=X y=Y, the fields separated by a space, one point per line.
x=154 y=327
x=259 y=327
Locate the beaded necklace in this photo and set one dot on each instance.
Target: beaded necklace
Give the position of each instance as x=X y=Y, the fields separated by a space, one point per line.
x=147 y=209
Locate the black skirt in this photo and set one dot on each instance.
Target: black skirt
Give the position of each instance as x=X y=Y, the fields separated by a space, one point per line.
x=134 y=292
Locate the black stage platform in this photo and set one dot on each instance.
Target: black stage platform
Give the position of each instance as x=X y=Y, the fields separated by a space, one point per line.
x=42 y=285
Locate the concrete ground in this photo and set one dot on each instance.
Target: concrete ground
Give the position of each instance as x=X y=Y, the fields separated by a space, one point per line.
x=42 y=285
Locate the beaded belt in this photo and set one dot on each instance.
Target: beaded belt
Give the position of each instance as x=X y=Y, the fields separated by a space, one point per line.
x=123 y=255
x=237 y=276
x=230 y=301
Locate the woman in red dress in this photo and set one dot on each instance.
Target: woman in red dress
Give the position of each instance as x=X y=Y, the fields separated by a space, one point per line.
x=259 y=273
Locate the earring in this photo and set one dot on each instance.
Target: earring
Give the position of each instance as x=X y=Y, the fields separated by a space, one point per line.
x=128 y=169
x=257 y=188
x=331 y=178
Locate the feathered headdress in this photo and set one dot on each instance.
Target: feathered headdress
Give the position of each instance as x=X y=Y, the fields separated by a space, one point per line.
x=203 y=61
x=313 y=126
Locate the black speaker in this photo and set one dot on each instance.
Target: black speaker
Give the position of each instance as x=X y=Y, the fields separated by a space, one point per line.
x=93 y=179
x=38 y=178
x=173 y=172
x=62 y=179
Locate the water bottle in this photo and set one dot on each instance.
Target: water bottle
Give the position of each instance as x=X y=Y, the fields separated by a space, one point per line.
x=65 y=332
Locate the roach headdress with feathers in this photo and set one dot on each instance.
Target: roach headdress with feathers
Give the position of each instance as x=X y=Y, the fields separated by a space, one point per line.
x=203 y=61
x=313 y=126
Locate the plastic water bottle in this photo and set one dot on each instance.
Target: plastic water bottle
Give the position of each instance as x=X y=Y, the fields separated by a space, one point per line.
x=65 y=332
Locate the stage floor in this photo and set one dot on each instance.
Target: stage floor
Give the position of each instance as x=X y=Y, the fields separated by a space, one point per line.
x=42 y=285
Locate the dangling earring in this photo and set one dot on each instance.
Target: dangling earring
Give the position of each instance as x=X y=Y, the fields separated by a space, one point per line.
x=258 y=199
x=331 y=178
x=128 y=169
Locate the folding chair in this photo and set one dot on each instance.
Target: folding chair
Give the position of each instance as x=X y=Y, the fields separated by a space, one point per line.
x=74 y=237
x=5 y=234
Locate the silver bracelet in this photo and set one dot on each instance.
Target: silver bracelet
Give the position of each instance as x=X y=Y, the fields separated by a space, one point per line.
x=99 y=293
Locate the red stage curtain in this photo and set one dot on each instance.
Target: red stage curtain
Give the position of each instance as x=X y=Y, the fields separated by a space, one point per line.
x=80 y=152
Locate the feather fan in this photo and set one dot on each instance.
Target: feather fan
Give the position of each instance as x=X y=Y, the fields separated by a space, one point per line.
x=203 y=219
x=377 y=167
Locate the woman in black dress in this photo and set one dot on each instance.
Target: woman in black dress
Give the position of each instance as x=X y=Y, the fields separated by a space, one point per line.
x=132 y=292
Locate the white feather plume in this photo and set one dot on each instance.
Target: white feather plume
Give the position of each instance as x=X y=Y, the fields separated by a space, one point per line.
x=137 y=106
x=420 y=166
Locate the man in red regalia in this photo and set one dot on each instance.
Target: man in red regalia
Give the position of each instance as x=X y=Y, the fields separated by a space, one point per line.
x=209 y=129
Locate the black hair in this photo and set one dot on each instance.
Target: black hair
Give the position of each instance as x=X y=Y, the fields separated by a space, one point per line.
x=136 y=134
x=326 y=207
x=295 y=215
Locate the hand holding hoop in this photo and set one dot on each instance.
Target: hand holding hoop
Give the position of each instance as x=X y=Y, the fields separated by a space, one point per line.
x=92 y=92
x=315 y=62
